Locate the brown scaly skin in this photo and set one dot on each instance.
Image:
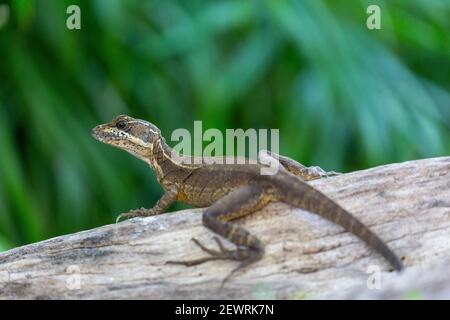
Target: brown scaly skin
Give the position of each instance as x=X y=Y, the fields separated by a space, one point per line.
x=230 y=191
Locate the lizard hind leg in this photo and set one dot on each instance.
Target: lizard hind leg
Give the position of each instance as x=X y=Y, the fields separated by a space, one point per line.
x=238 y=203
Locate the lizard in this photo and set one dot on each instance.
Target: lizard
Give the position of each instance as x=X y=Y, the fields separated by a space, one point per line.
x=229 y=191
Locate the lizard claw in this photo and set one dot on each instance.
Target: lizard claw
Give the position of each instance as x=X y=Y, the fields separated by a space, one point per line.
x=142 y=212
x=332 y=173
x=220 y=245
x=241 y=265
x=320 y=173
x=222 y=248
x=122 y=215
x=223 y=254
x=244 y=256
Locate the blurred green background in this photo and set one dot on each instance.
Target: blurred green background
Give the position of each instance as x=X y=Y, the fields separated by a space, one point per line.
x=344 y=97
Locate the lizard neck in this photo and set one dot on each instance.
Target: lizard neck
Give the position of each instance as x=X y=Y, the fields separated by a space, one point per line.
x=168 y=163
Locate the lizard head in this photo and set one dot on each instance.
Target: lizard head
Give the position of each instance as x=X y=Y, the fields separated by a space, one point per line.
x=132 y=135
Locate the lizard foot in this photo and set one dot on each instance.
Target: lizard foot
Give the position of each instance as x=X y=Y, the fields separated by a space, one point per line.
x=245 y=255
x=332 y=174
x=320 y=173
x=142 y=212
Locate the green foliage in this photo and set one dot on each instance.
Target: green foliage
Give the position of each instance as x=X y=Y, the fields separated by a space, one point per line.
x=344 y=97
x=413 y=295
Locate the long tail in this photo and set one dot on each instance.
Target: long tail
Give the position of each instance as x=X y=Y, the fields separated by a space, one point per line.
x=302 y=195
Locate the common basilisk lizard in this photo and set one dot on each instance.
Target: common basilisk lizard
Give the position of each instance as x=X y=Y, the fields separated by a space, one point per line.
x=230 y=191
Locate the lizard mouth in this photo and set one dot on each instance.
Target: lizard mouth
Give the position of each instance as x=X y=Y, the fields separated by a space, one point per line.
x=97 y=133
x=102 y=134
x=106 y=134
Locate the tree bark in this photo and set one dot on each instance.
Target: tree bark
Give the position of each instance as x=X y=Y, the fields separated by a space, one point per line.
x=306 y=257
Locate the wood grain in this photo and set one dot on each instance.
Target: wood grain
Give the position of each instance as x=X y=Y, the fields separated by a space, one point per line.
x=307 y=257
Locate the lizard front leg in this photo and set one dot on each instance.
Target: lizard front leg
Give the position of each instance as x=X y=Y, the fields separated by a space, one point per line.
x=301 y=171
x=238 y=203
x=160 y=207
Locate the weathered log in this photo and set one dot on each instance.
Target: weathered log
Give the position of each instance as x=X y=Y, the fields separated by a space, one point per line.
x=407 y=204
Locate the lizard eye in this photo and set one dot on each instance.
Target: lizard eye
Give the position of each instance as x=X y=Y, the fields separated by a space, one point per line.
x=121 y=125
